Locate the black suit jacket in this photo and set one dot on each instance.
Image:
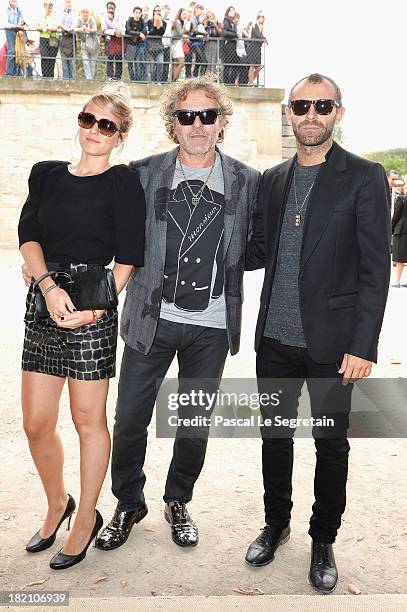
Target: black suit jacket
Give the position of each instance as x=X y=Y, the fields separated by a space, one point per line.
x=345 y=255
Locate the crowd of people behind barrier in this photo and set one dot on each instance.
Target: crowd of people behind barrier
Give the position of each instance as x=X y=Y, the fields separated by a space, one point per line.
x=155 y=45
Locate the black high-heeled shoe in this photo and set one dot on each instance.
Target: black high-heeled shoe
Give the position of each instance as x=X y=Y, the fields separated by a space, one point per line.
x=37 y=543
x=62 y=561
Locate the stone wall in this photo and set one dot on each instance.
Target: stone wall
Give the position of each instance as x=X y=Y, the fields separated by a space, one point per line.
x=287 y=136
x=39 y=122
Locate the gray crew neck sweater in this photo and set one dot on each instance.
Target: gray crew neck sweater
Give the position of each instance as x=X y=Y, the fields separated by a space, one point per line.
x=284 y=316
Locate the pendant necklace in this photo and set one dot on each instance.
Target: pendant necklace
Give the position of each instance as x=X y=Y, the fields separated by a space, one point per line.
x=196 y=196
x=299 y=208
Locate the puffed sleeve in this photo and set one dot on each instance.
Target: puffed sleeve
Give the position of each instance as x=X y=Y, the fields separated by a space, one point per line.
x=130 y=217
x=29 y=227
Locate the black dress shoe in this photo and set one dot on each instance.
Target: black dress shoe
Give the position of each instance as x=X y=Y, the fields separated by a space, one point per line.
x=261 y=551
x=37 y=543
x=63 y=561
x=118 y=530
x=323 y=574
x=184 y=532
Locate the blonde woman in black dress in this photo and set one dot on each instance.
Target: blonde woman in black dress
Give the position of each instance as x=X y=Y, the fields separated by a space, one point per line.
x=399 y=231
x=77 y=217
x=254 y=47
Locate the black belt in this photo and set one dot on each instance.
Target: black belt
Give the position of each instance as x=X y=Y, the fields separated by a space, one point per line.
x=72 y=268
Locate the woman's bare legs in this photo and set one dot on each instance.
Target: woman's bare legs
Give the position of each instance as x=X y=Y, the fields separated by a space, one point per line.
x=88 y=408
x=254 y=72
x=176 y=68
x=399 y=271
x=40 y=395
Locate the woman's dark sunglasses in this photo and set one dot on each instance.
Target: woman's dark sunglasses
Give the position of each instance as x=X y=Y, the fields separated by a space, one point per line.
x=207 y=116
x=322 y=107
x=105 y=126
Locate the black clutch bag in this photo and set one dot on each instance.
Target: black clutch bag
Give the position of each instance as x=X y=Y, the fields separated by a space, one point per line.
x=93 y=289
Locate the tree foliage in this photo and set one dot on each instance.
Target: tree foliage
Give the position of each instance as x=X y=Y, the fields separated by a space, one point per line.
x=392 y=159
x=338 y=134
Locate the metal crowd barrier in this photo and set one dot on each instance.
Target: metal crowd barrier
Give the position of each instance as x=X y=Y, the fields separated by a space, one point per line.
x=99 y=57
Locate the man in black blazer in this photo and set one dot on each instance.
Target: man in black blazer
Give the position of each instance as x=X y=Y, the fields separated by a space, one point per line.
x=322 y=232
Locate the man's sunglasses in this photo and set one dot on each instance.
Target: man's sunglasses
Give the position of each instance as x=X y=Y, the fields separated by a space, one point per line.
x=106 y=127
x=322 y=107
x=207 y=116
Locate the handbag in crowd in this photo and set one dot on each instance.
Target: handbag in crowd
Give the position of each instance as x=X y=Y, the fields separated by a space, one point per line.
x=66 y=44
x=53 y=41
x=93 y=289
x=154 y=45
x=92 y=43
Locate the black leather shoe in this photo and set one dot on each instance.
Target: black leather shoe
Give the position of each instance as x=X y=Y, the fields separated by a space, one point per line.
x=37 y=543
x=323 y=574
x=62 y=561
x=118 y=530
x=261 y=551
x=184 y=532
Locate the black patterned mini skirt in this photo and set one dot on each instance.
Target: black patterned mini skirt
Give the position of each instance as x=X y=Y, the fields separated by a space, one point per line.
x=85 y=353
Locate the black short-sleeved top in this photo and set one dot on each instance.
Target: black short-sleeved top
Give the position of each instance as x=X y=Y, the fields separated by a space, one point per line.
x=89 y=219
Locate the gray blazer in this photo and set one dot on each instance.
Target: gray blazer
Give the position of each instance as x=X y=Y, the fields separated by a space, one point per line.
x=141 y=309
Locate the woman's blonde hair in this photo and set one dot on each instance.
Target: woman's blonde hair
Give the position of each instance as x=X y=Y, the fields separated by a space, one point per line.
x=117 y=98
x=180 y=90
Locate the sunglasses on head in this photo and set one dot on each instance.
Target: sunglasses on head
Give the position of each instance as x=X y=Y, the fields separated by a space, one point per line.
x=207 y=116
x=322 y=106
x=106 y=127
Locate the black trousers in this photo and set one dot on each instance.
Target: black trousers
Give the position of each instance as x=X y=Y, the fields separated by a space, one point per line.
x=114 y=66
x=231 y=63
x=166 y=65
x=201 y=63
x=275 y=360
x=48 y=56
x=201 y=353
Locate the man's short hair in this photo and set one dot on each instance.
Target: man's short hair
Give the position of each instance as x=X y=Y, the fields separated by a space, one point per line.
x=390 y=172
x=111 y=4
x=138 y=8
x=315 y=78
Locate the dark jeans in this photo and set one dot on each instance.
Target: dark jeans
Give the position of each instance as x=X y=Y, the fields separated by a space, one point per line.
x=201 y=353
x=136 y=61
x=67 y=55
x=276 y=360
x=12 y=69
x=156 y=65
x=68 y=67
